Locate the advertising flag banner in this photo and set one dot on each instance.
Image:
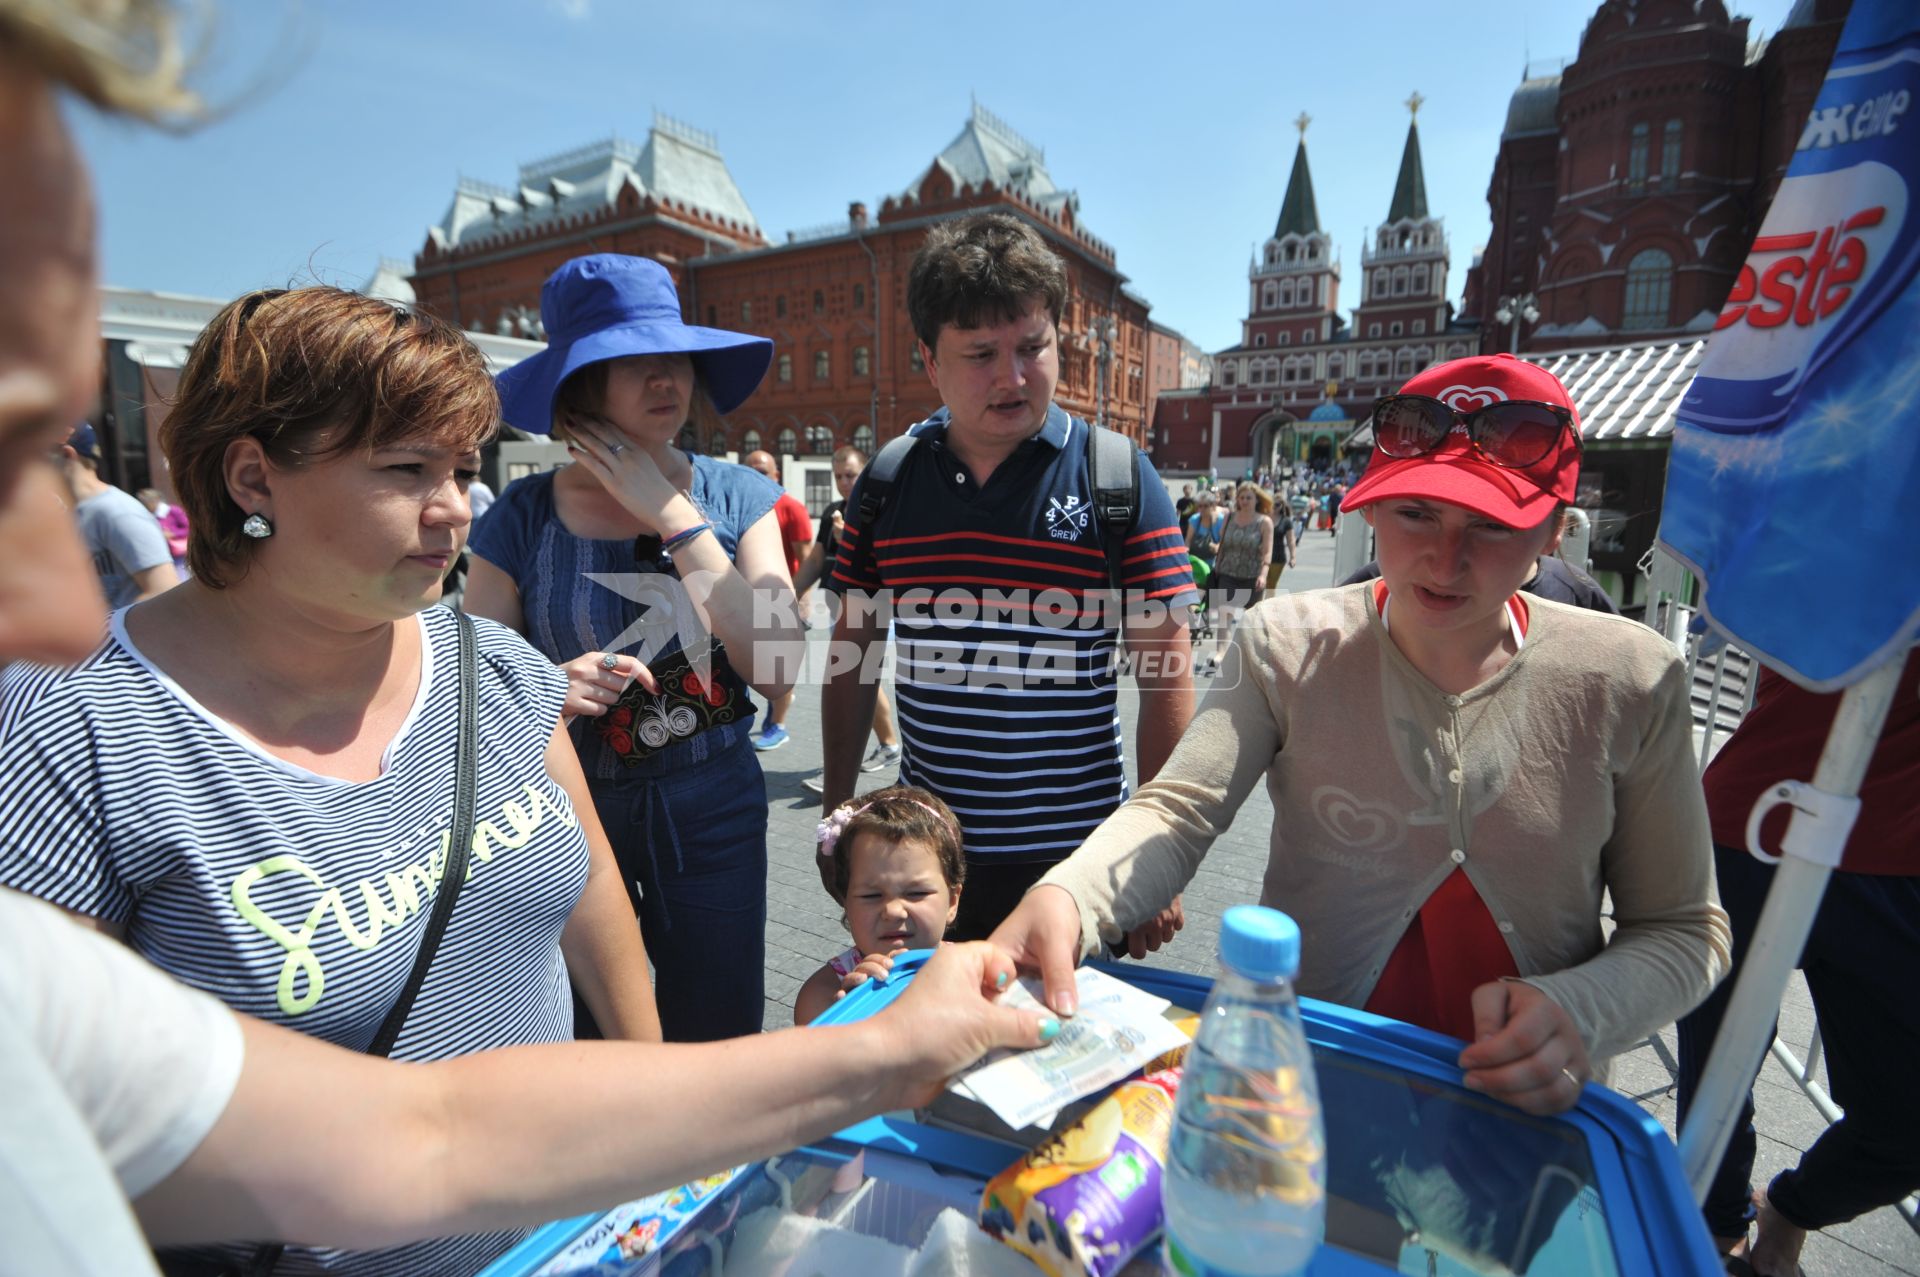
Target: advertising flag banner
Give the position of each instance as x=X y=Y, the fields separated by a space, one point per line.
x=1793 y=488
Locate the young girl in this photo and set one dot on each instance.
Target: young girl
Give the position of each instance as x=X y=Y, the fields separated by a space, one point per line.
x=897 y=864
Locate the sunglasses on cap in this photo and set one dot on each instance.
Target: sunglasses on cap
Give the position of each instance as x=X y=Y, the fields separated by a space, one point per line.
x=1513 y=433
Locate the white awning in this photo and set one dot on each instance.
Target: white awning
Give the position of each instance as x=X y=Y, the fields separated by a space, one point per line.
x=1625 y=394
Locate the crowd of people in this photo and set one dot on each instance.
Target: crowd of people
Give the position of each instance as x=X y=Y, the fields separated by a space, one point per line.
x=232 y=805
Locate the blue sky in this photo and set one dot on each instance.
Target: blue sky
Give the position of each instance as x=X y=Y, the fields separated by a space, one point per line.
x=344 y=124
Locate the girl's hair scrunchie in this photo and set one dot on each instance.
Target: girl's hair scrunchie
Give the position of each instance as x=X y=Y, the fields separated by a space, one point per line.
x=829 y=830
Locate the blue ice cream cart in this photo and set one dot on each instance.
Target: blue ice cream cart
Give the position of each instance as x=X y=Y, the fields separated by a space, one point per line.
x=1423 y=1175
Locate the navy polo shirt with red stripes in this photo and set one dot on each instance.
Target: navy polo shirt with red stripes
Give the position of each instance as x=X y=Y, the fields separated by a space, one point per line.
x=1007 y=679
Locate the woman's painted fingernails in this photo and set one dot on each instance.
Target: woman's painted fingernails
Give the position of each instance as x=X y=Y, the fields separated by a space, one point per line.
x=1000 y=981
x=1049 y=1029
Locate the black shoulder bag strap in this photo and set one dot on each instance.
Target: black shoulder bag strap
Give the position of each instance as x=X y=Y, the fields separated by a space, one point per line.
x=878 y=479
x=452 y=875
x=1116 y=494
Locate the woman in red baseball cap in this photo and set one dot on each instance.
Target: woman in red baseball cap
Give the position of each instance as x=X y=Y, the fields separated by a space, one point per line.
x=1459 y=772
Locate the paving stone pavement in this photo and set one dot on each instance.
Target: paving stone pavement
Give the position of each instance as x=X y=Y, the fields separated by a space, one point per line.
x=804 y=930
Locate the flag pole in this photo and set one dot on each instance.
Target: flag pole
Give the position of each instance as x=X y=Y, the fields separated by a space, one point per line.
x=1780 y=935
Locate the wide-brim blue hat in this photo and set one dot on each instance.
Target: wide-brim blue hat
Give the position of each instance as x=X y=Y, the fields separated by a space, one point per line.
x=607 y=306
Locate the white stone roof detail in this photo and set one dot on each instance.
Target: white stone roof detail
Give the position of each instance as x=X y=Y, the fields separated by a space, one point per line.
x=391 y=281
x=677 y=164
x=988 y=149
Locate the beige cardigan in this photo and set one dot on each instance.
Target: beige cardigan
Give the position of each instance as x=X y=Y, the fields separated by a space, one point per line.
x=1567 y=774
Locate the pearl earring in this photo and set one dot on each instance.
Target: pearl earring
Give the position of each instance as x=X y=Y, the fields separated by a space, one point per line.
x=257 y=527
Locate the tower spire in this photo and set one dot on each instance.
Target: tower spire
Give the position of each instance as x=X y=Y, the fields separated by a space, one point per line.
x=1298 y=213
x=1410 y=191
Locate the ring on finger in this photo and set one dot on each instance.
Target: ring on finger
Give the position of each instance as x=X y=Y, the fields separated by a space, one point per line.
x=609 y=662
x=1569 y=1075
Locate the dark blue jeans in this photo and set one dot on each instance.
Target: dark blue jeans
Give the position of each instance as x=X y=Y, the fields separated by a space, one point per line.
x=1862 y=963
x=689 y=830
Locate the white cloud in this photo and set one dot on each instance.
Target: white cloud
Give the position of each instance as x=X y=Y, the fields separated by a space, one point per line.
x=574 y=10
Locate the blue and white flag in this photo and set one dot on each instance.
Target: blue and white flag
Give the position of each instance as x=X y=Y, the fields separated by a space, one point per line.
x=1793 y=488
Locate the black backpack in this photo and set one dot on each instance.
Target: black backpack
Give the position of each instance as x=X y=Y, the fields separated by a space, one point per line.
x=1110 y=461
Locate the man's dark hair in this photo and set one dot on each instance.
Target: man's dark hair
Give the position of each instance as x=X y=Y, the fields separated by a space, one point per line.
x=985 y=268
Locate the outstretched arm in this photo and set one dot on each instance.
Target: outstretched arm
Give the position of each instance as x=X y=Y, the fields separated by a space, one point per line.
x=519 y=1136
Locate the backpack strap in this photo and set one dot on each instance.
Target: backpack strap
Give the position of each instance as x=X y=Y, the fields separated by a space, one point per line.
x=878 y=479
x=1111 y=461
x=1116 y=494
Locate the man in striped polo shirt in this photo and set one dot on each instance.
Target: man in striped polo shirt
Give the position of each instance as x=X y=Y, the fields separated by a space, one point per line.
x=990 y=561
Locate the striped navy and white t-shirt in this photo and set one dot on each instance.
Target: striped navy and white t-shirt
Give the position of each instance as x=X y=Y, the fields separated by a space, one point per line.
x=1007 y=690
x=300 y=898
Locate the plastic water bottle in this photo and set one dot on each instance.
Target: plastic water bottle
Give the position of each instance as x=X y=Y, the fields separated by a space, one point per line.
x=1245 y=1187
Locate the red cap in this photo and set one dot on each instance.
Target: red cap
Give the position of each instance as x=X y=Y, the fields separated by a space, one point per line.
x=1455 y=472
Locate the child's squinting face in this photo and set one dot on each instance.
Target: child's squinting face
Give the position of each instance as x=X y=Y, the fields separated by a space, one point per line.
x=897 y=897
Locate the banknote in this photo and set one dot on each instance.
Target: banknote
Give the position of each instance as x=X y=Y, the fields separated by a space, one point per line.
x=1116 y=1030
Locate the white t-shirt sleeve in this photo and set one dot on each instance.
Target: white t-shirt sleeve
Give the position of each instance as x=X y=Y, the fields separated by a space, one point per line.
x=148 y=1063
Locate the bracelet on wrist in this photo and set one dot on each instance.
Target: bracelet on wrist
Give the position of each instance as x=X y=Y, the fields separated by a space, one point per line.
x=679 y=539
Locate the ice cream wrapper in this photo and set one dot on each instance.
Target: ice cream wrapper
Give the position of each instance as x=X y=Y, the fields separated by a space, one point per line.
x=1088 y=1200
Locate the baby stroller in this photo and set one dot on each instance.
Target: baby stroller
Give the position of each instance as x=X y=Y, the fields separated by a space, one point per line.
x=1200 y=624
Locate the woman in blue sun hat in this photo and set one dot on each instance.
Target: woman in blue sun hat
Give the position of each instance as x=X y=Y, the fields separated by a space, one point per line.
x=656 y=579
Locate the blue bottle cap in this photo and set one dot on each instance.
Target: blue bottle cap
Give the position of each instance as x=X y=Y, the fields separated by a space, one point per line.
x=1260 y=943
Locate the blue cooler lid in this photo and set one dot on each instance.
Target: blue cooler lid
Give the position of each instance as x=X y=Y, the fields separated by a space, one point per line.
x=1260 y=943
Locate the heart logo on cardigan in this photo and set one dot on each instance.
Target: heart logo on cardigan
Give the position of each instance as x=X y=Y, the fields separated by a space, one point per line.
x=1355 y=822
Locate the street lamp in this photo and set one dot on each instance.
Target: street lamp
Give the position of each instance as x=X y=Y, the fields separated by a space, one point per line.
x=1511 y=311
x=1102 y=336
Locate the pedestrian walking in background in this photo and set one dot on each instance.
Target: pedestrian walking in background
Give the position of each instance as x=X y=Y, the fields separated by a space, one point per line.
x=1205 y=528
x=129 y=549
x=1239 y=577
x=173 y=525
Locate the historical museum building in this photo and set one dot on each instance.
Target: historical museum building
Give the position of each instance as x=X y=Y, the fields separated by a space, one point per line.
x=1629 y=187
x=1625 y=197
x=833 y=299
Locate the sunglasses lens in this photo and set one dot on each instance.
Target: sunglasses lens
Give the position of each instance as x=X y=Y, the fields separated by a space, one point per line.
x=1518 y=434
x=1409 y=427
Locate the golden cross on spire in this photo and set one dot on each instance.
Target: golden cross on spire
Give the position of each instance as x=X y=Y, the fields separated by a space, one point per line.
x=1302 y=123
x=1413 y=103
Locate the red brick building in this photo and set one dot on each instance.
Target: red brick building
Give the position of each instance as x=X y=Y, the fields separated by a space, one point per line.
x=1173 y=363
x=833 y=299
x=1628 y=188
